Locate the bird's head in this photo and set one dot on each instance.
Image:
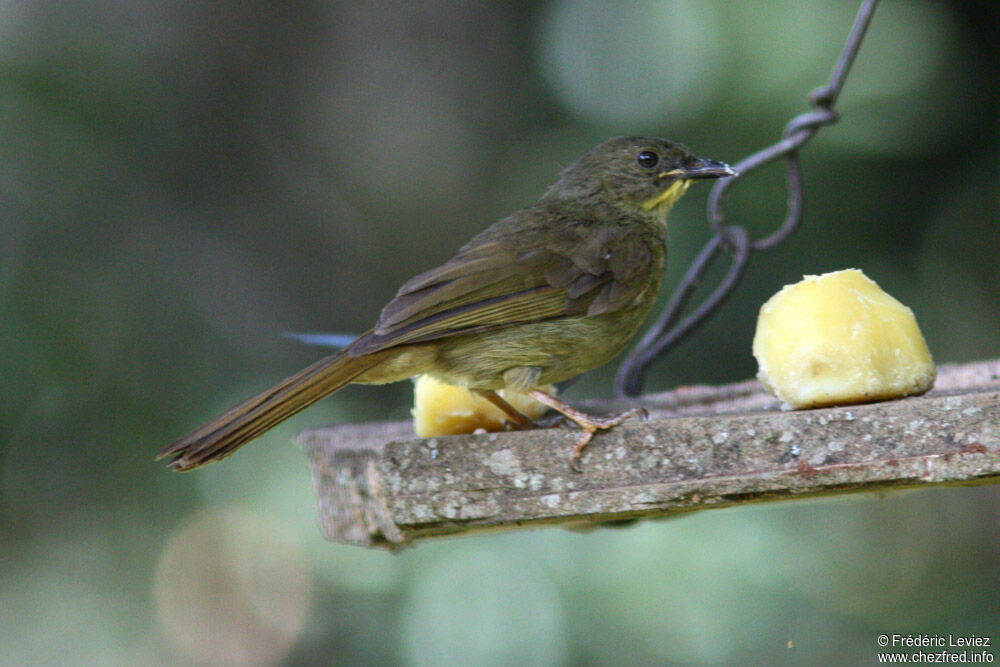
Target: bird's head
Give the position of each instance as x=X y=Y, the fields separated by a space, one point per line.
x=637 y=172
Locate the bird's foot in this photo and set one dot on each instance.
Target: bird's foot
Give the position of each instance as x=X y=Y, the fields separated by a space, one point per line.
x=588 y=423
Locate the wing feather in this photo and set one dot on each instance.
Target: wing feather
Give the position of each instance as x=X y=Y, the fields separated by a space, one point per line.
x=520 y=272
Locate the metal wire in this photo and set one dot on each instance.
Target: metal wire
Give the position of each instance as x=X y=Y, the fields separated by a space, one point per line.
x=666 y=332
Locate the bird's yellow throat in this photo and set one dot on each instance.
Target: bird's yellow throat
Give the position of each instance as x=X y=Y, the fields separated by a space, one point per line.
x=667 y=197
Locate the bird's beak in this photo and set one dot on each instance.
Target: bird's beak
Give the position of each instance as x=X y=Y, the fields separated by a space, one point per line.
x=701 y=169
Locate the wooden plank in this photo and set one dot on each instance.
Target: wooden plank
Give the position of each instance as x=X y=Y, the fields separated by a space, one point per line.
x=703 y=447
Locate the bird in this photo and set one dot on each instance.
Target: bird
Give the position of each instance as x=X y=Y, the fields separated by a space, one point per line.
x=553 y=290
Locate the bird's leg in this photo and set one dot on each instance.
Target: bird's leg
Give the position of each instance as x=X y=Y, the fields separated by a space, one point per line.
x=588 y=423
x=518 y=420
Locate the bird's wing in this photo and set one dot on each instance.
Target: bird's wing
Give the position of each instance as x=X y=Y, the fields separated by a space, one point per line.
x=527 y=275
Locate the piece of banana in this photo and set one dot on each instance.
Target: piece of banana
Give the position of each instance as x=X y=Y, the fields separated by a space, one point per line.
x=837 y=339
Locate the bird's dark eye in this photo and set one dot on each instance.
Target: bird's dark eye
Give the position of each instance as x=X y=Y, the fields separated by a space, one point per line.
x=647 y=159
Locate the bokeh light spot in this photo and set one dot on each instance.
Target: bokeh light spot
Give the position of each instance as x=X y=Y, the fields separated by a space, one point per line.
x=659 y=64
x=232 y=587
x=476 y=605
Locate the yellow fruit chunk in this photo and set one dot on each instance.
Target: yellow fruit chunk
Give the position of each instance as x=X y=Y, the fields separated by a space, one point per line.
x=444 y=409
x=838 y=338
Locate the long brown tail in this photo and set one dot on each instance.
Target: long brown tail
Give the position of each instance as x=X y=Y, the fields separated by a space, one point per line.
x=229 y=431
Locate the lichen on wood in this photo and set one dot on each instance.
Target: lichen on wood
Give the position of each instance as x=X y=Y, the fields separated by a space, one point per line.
x=702 y=447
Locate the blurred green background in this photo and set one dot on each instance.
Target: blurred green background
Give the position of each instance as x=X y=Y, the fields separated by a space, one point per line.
x=182 y=183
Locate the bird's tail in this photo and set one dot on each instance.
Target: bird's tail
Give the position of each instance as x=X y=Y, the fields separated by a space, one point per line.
x=229 y=431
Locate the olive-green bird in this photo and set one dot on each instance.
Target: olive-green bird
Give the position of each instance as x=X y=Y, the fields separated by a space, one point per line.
x=555 y=289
